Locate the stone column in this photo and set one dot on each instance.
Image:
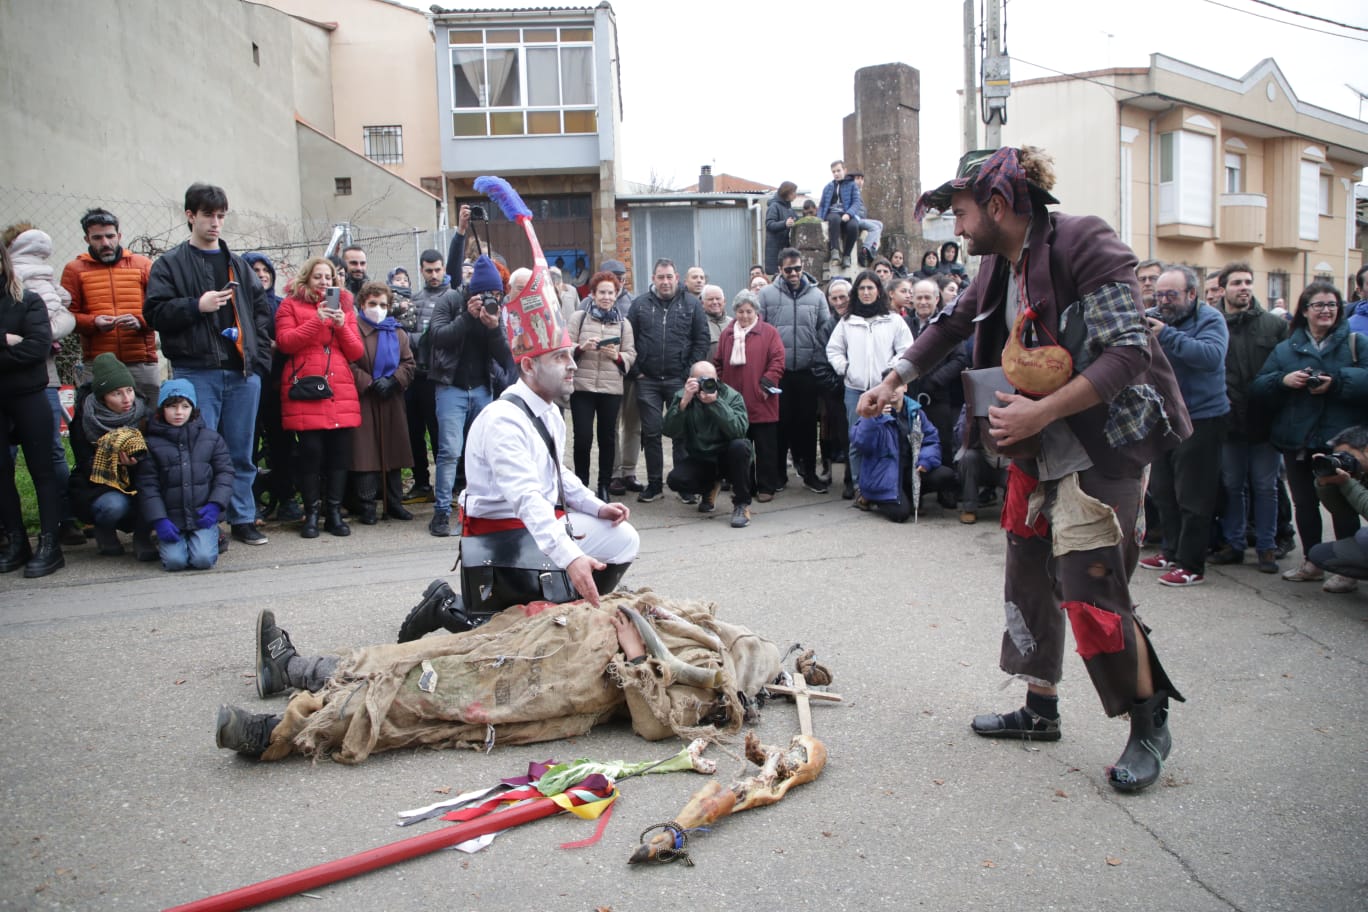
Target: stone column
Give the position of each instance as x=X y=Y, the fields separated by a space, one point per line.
x=885 y=142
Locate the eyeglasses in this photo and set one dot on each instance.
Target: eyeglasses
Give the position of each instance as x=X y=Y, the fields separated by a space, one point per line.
x=1322 y=305
x=792 y=270
x=1169 y=295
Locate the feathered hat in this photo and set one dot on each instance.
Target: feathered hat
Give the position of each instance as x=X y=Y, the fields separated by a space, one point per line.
x=534 y=325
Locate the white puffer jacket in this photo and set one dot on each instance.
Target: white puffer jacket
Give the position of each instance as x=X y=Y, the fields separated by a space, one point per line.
x=861 y=349
x=30 y=252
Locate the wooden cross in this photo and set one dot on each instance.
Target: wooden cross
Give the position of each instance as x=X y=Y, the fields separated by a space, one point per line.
x=799 y=691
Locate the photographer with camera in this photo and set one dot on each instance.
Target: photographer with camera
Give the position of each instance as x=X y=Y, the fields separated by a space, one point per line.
x=1340 y=486
x=709 y=419
x=468 y=351
x=1316 y=386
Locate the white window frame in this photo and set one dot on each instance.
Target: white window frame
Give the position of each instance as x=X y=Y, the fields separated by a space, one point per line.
x=1308 y=200
x=523 y=109
x=1234 y=173
x=1188 y=195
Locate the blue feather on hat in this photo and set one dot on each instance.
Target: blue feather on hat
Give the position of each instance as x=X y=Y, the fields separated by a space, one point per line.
x=501 y=192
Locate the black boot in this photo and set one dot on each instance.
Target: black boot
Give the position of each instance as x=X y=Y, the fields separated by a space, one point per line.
x=310 y=529
x=247 y=733
x=440 y=608
x=332 y=518
x=394 y=496
x=1150 y=742
x=16 y=553
x=367 y=488
x=144 y=549
x=333 y=521
x=274 y=651
x=606 y=580
x=48 y=558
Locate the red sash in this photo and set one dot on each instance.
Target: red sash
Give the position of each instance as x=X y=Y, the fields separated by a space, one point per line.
x=479 y=525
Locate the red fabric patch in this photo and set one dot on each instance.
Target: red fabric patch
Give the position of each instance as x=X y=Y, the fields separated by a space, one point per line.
x=1095 y=630
x=532 y=609
x=1014 y=505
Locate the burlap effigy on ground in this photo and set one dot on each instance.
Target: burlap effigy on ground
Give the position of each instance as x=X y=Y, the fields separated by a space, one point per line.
x=534 y=673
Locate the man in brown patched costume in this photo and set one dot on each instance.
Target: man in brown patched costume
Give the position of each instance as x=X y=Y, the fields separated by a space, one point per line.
x=533 y=673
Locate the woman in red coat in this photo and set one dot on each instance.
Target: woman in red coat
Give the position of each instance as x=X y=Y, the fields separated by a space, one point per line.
x=750 y=359
x=319 y=340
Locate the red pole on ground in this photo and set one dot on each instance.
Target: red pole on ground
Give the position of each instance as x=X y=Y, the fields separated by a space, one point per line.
x=403 y=850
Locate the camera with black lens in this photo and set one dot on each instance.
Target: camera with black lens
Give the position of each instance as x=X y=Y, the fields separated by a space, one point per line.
x=478 y=213
x=1316 y=379
x=1323 y=465
x=707 y=385
x=491 y=303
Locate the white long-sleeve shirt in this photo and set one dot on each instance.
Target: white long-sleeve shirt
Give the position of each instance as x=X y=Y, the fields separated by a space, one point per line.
x=510 y=473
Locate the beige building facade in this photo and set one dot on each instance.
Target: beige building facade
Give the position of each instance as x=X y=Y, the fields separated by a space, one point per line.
x=234 y=93
x=1199 y=168
x=383 y=91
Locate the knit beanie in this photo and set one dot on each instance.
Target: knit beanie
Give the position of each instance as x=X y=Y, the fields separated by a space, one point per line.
x=485 y=277
x=173 y=388
x=108 y=374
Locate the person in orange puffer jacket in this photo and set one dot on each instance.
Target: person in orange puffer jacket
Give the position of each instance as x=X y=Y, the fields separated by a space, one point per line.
x=107 y=285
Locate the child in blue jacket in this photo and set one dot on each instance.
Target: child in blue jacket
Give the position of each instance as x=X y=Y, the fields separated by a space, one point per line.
x=185 y=481
x=893 y=446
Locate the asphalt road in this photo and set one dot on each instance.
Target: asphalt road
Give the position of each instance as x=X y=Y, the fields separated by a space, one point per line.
x=115 y=796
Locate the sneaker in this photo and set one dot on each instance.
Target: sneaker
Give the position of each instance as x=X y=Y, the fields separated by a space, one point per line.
x=1157 y=562
x=248 y=534
x=247 y=733
x=616 y=487
x=290 y=511
x=420 y=493
x=1305 y=572
x=764 y=497
x=1337 y=583
x=274 y=651
x=652 y=493
x=968 y=517
x=688 y=500
x=1268 y=561
x=1226 y=554
x=440 y=524
x=1180 y=577
x=740 y=516
x=814 y=484
x=709 y=501
x=1286 y=543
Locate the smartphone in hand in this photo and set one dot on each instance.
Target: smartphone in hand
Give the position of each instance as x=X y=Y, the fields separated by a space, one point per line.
x=333 y=298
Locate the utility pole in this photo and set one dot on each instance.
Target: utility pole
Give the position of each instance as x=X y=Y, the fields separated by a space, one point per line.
x=971 y=114
x=996 y=77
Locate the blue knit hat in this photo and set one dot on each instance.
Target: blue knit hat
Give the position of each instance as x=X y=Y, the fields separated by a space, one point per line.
x=485 y=277
x=172 y=388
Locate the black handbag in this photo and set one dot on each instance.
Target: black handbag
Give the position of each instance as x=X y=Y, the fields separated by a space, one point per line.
x=311 y=387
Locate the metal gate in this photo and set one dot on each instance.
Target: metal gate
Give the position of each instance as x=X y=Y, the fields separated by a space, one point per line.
x=721 y=239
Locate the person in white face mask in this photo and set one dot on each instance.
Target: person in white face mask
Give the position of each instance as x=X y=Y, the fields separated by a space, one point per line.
x=381 y=445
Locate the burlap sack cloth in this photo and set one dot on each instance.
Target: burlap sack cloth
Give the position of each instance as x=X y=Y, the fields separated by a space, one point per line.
x=534 y=673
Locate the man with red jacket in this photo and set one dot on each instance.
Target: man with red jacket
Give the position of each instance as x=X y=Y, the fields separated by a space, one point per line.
x=107 y=285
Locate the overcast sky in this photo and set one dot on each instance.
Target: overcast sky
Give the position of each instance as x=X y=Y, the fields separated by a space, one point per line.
x=758 y=89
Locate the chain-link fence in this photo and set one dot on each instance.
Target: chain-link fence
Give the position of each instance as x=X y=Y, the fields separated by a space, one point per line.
x=153 y=226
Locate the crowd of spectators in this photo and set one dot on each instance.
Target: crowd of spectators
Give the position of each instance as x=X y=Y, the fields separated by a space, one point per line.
x=311 y=400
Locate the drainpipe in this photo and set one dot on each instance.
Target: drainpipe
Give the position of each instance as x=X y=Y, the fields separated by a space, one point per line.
x=1152 y=219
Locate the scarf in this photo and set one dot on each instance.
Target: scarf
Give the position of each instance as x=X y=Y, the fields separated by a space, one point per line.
x=97 y=419
x=738 y=354
x=1003 y=174
x=386 y=345
x=105 y=467
x=611 y=315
